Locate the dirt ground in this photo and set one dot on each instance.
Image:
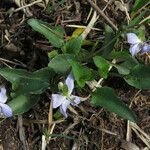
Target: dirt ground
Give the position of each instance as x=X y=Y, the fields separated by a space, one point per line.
x=93 y=128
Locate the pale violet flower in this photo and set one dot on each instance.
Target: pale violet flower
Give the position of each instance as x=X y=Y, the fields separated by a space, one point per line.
x=146 y=48
x=136 y=45
x=64 y=100
x=4 y=108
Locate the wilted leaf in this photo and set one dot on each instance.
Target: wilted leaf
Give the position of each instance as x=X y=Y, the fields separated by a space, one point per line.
x=129 y=146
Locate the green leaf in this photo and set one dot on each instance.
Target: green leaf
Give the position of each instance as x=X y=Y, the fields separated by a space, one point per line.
x=129 y=63
x=83 y=55
x=137 y=20
x=30 y=86
x=52 y=54
x=109 y=35
x=139 y=77
x=139 y=4
x=77 y=32
x=23 y=103
x=54 y=35
x=103 y=65
x=107 y=98
x=141 y=32
x=73 y=45
x=126 y=61
x=60 y=63
x=81 y=73
x=125 y=67
x=44 y=74
x=57 y=115
x=121 y=69
x=13 y=75
x=119 y=55
x=27 y=82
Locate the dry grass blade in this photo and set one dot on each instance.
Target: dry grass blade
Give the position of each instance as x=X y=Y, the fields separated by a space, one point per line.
x=22 y=133
x=27 y=121
x=141 y=134
x=28 y=5
x=51 y=127
x=82 y=27
x=89 y=26
x=128 y=134
x=129 y=146
x=11 y=62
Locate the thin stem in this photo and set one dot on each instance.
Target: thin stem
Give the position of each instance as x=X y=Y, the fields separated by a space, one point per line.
x=98 y=51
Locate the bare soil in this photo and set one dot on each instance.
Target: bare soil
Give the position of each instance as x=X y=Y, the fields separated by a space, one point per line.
x=93 y=128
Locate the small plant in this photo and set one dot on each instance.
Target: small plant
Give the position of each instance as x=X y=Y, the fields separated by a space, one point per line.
x=64 y=99
x=81 y=61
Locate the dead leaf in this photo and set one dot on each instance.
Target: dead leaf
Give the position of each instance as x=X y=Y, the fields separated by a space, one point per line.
x=129 y=146
x=13 y=48
x=120 y=6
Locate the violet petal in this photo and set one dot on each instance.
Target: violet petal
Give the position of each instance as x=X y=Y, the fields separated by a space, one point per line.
x=3 y=96
x=6 y=110
x=63 y=108
x=57 y=100
x=134 y=49
x=132 y=38
x=70 y=83
x=145 y=48
x=76 y=100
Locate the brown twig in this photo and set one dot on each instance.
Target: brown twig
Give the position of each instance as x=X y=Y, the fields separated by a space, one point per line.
x=103 y=15
x=14 y=63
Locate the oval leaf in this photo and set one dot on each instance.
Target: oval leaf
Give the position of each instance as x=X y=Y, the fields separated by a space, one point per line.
x=28 y=82
x=53 y=35
x=60 y=63
x=139 y=77
x=23 y=103
x=103 y=65
x=107 y=98
x=30 y=86
x=81 y=73
x=73 y=45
